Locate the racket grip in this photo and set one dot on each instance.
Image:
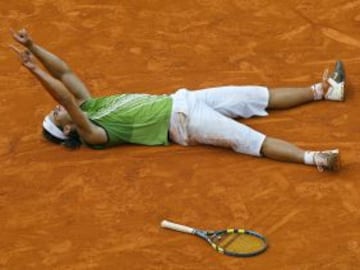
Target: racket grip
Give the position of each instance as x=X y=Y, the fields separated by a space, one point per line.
x=176 y=227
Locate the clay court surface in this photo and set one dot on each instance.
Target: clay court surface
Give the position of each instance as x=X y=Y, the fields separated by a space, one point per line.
x=90 y=209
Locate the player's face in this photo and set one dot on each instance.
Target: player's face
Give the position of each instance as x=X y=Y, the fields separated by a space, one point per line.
x=59 y=116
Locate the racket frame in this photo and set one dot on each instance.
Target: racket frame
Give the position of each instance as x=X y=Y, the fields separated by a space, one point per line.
x=207 y=235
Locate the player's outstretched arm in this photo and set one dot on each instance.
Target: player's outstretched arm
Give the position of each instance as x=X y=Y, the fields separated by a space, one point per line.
x=91 y=133
x=54 y=87
x=56 y=66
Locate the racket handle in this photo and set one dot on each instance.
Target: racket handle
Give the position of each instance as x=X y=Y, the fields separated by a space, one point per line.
x=176 y=227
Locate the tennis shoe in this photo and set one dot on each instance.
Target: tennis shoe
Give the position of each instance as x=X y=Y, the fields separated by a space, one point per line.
x=336 y=81
x=327 y=160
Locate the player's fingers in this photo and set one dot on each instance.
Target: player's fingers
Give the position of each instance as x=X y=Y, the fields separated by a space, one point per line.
x=29 y=56
x=12 y=31
x=15 y=34
x=15 y=49
x=23 y=32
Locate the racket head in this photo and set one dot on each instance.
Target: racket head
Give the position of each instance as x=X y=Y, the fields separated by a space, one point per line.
x=237 y=242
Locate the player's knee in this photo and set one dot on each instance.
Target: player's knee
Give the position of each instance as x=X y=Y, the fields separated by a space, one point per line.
x=265 y=146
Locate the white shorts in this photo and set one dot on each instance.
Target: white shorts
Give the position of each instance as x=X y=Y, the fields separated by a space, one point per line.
x=205 y=117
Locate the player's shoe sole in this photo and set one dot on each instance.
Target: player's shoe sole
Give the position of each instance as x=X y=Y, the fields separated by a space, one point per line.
x=328 y=160
x=336 y=91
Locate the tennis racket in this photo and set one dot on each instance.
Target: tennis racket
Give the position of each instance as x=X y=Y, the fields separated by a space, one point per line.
x=232 y=242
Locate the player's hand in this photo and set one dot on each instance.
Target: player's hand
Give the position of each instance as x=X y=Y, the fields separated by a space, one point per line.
x=26 y=57
x=22 y=37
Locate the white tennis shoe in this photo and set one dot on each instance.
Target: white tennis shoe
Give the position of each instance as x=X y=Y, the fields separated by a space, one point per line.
x=336 y=90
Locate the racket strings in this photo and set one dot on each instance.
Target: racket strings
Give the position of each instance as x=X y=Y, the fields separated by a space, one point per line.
x=241 y=243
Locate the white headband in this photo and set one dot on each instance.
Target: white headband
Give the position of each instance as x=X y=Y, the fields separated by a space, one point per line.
x=53 y=129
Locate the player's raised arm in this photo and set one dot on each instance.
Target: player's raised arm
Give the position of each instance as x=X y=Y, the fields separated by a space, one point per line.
x=56 y=66
x=88 y=131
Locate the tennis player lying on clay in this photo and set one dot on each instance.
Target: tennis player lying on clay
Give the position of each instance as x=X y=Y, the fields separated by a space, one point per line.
x=185 y=117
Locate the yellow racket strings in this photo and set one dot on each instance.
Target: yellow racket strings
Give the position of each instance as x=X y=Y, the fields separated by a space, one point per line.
x=240 y=243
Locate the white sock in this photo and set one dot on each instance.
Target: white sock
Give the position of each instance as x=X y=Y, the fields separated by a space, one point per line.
x=318 y=91
x=309 y=157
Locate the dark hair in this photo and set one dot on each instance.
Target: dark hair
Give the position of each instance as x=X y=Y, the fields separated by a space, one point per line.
x=72 y=142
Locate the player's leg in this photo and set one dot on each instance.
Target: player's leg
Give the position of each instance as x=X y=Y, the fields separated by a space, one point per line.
x=207 y=126
x=246 y=101
x=204 y=125
x=331 y=88
x=284 y=98
x=284 y=151
x=235 y=101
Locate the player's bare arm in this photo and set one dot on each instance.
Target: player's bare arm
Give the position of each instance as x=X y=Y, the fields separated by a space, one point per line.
x=89 y=132
x=56 y=67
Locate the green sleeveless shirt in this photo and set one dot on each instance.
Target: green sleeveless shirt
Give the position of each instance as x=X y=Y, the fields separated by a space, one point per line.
x=131 y=118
